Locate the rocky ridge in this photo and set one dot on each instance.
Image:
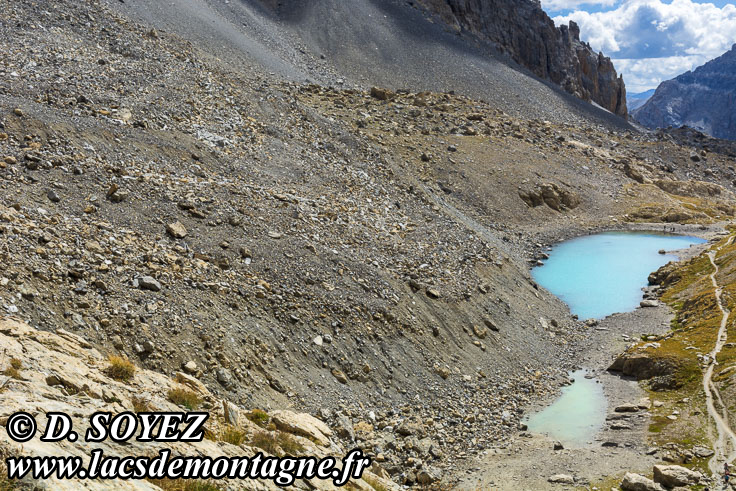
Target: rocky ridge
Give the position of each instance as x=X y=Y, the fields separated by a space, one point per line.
x=702 y=99
x=525 y=32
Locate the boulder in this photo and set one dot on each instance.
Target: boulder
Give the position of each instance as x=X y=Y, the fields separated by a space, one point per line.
x=381 y=94
x=344 y=427
x=636 y=482
x=428 y=475
x=562 y=479
x=702 y=452
x=147 y=283
x=552 y=195
x=671 y=476
x=302 y=424
x=642 y=366
x=627 y=408
x=176 y=230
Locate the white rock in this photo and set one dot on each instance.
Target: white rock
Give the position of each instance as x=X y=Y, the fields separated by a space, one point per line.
x=562 y=479
x=636 y=482
x=674 y=475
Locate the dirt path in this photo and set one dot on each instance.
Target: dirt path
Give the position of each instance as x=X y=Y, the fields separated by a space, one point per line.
x=725 y=433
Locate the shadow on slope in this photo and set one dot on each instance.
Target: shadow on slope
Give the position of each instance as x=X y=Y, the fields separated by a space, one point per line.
x=363 y=43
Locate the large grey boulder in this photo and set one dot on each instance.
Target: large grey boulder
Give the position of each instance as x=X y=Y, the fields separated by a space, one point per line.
x=674 y=475
x=636 y=482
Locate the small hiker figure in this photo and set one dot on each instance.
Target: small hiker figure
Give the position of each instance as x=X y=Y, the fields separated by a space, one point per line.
x=726 y=474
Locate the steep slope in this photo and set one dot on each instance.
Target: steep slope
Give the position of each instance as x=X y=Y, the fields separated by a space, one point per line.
x=358 y=43
x=704 y=99
x=361 y=254
x=62 y=372
x=525 y=32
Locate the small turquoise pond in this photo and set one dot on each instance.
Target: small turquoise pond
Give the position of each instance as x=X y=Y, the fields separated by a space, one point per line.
x=576 y=416
x=601 y=274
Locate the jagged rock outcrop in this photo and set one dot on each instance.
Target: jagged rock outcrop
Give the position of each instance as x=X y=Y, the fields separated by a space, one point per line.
x=552 y=195
x=524 y=31
x=692 y=189
x=704 y=99
x=643 y=365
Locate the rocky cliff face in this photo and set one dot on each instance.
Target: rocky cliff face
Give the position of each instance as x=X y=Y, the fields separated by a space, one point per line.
x=704 y=99
x=525 y=32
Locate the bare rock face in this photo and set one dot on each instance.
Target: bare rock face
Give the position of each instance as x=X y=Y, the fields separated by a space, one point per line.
x=703 y=99
x=660 y=371
x=521 y=29
x=693 y=189
x=552 y=195
x=671 y=476
x=63 y=372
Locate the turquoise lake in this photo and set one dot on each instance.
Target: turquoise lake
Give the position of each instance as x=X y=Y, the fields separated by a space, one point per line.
x=576 y=416
x=598 y=275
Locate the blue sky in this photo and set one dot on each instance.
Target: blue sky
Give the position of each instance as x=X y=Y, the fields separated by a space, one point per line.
x=651 y=40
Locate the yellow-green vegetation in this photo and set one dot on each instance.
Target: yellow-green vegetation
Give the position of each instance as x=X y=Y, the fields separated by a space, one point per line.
x=185 y=485
x=233 y=435
x=258 y=417
x=120 y=369
x=673 y=207
x=13 y=371
x=5 y=483
x=184 y=397
x=691 y=294
x=608 y=483
x=140 y=404
x=276 y=443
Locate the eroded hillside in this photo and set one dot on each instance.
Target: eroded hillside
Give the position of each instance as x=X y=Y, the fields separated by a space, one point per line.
x=360 y=254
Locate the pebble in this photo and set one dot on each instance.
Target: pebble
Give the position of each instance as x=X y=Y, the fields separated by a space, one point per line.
x=52 y=196
x=176 y=230
x=147 y=283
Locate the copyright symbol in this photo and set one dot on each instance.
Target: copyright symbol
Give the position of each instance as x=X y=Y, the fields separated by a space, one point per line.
x=21 y=427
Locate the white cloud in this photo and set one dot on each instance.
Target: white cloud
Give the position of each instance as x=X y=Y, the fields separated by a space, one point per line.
x=556 y=5
x=652 y=41
x=646 y=73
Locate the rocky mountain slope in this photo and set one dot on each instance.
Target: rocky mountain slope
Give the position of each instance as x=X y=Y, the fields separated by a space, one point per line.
x=703 y=99
x=396 y=44
x=62 y=372
x=358 y=253
x=526 y=33
x=635 y=101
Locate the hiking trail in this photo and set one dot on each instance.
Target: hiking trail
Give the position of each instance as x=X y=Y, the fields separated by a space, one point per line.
x=725 y=433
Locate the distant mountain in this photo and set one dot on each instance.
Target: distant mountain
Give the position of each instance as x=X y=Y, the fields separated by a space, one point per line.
x=635 y=101
x=704 y=99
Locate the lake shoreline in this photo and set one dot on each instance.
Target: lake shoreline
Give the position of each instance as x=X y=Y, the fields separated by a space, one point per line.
x=531 y=460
